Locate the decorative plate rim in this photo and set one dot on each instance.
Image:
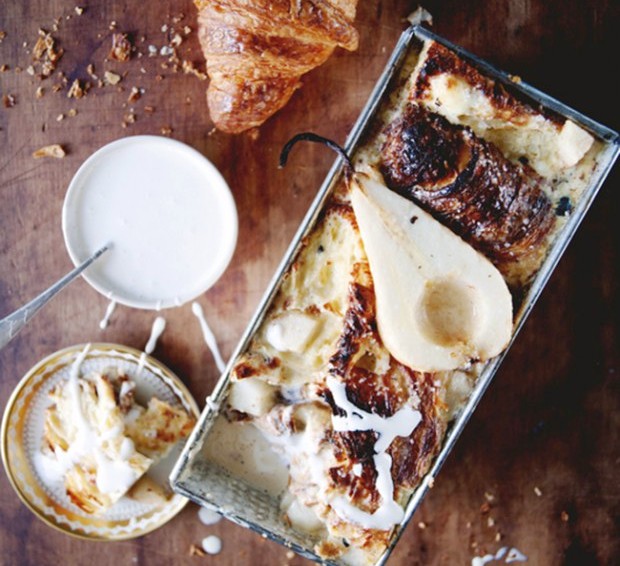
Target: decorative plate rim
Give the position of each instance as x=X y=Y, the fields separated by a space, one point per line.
x=126 y=529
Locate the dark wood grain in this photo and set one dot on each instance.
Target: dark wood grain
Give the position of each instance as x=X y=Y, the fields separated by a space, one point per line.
x=549 y=421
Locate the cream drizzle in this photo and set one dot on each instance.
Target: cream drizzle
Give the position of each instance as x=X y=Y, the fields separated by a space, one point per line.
x=212 y=544
x=208 y=517
x=512 y=555
x=482 y=560
x=108 y=314
x=208 y=336
x=515 y=555
x=111 y=476
x=401 y=423
x=159 y=325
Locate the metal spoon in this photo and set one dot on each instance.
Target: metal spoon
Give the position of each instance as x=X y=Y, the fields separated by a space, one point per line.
x=13 y=323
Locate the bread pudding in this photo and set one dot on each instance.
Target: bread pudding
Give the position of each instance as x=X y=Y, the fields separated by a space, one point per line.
x=102 y=442
x=405 y=288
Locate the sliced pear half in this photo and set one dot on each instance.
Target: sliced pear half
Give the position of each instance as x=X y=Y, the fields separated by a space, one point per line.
x=440 y=303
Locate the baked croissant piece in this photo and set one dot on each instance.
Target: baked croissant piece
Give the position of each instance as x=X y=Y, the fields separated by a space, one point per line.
x=500 y=207
x=257 y=50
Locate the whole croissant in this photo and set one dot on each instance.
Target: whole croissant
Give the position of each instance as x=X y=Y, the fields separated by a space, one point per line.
x=256 y=51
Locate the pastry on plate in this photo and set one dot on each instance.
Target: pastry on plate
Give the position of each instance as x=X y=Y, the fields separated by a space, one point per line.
x=103 y=441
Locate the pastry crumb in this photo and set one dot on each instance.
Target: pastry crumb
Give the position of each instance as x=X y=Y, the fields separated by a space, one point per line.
x=54 y=150
x=128 y=119
x=9 y=100
x=111 y=78
x=195 y=550
x=190 y=69
x=121 y=48
x=135 y=94
x=45 y=53
x=489 y=497
x=77 y=89
x=90 y=70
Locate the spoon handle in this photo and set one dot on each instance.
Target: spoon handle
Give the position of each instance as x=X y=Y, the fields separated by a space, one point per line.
x=12 y=324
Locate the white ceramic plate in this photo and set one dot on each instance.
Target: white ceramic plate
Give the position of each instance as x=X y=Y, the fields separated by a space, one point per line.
x=22 y=439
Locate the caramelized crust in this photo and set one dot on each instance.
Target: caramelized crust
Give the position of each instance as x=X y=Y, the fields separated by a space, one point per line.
x=257 y=50
x=496 y=205
x=523 y=130
x=378 y=383
x=440 y=60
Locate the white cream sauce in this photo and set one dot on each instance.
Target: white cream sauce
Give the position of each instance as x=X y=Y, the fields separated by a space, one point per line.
x=212 y=544
x=208 y=517
x=515 y=555
x=512 y=555
x=401 y=423
x=482 y=560
x=111 y=476
x=167 y=213
x=159 y=325
x=108 y=315
x=208 y=336
x=242 y=449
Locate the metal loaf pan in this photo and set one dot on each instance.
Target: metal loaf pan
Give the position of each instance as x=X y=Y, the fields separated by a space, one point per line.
x=211 y=486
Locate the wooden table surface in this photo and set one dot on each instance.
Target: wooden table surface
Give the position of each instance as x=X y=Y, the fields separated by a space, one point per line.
x=537 y=467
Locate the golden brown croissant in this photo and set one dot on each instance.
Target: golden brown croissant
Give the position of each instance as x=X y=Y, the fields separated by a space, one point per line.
x=257 y=50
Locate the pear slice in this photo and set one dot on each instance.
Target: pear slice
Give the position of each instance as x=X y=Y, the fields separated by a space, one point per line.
x=440 y=303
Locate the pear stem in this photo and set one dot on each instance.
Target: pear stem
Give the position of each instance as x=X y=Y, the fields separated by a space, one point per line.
x=312 y=137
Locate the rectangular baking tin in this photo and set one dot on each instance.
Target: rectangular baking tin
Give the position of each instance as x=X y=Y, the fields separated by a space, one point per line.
x=211 y=486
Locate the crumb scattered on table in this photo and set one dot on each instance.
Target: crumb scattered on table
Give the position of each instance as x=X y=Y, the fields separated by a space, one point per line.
x=195 y=550
x=54 y=150
x=121 y=47
x=111 y=78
